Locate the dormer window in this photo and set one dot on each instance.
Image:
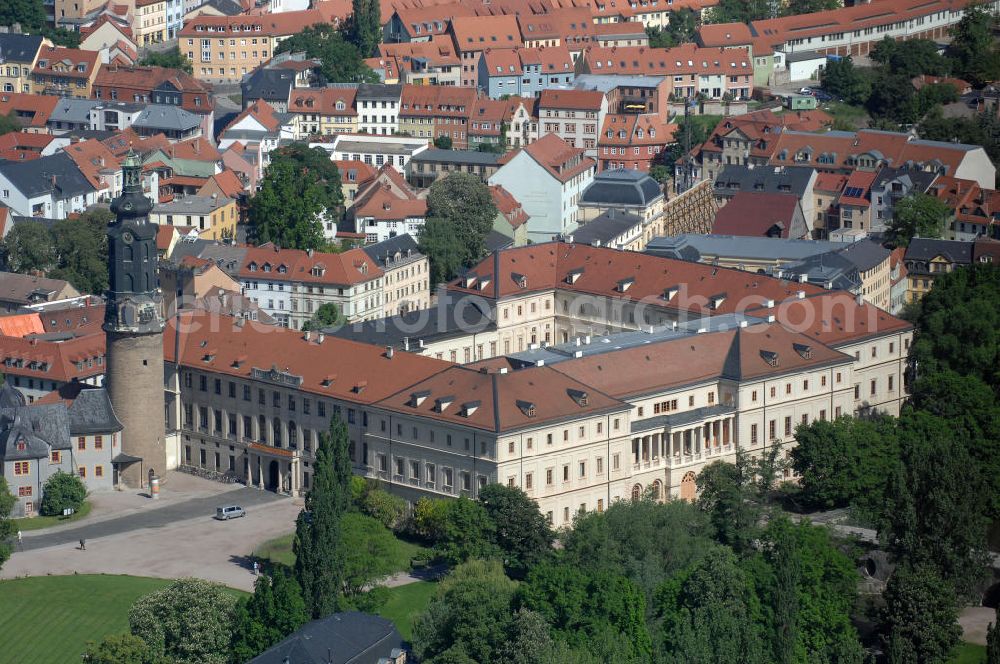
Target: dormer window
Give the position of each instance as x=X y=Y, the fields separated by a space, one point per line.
x=804 y=350
x=526 y=407
x=282 y=269
x=441 y=403
x=469 y=408
x=669 y=293
x=625 y=284
x=770 y=357
x=519 y=279
x=252 y=267
x=328 y=380
x=469 y=281
x=484 y=282
x=716 y=300
x=267 y=267
x=360 y=386
x=574 y=275
x=580 y=397
x=418 y=398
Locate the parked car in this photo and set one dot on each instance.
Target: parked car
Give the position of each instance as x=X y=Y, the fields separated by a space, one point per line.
x=805 y=91
x=822 y=95
x=229 y=512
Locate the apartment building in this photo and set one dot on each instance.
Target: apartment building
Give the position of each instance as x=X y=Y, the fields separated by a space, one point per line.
x=435 y=112
x=432 y=62
x=548 y=177
x=472 y=35
x=717 y=372
x=150 y=25
x=157 y=85
x=214 y=217
x=20 y=56
x=576 y=116
x=406 y=274
x=633 y=141
x=378 y=108
x=223 y=49
x=525 y=71
x=290 y=285
x=323 y=111
x=64 y=72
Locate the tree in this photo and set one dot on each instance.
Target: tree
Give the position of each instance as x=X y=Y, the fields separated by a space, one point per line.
x=301 y=187
x=993 y=640
x=318 y=541
x=468 y=532
x=28 y=247
x=465 y=203
x=468 y=616
x=586 y=607
x=797 y=7
x=893 y=99
x=842 y=79
x=920 y=619
x=660 y=173
x=341 y=61
x=917 y=214
x=9 y=123
x=733 y=495
x=520 y=530
x=364 y=27
x=934 y=512
x=934 y=96
x=443 y=142
x=430 y=517
x=275 y=610
x=327 y=315
x=690 y=132
x=958 y=325
x=710 y=613
x=171 y=59
x=189 y=621
x=62 y=491
x=381 y=505
x=118 y=649
x=972 y=51
x=7 y=527
x=367 y=555
x=844 y=462
x=443 y=249
x=738 y=11
x=680 y=29
x=81 y=247
x=909 y=58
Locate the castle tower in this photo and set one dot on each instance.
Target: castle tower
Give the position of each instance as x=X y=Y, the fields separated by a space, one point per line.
x=133 y=321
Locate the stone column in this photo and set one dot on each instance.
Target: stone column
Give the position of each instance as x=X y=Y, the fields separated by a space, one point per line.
x=260 y=473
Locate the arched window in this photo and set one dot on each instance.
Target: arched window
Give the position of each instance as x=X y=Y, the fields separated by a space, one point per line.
x=636 y=492
x=688 y=487
x=277 y=432
x=262 y=428
x=127 y=253
x=293 y=434
x=657 y=490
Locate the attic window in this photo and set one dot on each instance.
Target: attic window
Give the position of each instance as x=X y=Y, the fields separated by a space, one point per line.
x=441 y=403
x=669 y=293
x=328 y=381
x=574 y=275
x=469 y=408
x=267 y=267
x=580 y=397
x=21 y=446
x=209 y=356
x=484 y=282
x=519 y=279
x=717 y=300
x=418 y=398
x=804 y=350
x=469 y=281
x=239 y=361
x=625 y=284
x=252 y=267
x=282 y=269
x=360 y=387
x=770 y=357
x=526 y=407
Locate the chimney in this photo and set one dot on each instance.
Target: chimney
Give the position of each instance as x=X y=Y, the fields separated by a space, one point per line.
x=389 y=352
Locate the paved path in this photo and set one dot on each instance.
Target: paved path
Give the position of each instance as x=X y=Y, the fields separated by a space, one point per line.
x=157 y=517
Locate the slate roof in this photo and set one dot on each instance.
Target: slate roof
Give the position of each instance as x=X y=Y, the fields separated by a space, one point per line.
x=864 y=254
x=384 y=252
x=163 y=116
x=475 y=157
x=925 y=249
x=605 y=228
x=918 y=180
x=70 y=109
x=42 y=427
x=380 y=91
x=16 y=287
x=622 y=186
x=34 y=177
x=268 y=84
x=341 y=638
x=790 y=179
x=19 y=48
x=90 y=410
x=693 y=246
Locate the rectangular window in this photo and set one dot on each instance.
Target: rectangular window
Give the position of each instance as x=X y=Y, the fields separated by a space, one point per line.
x=615 y=462
x=22 y=467
x=98 y=442
x=548 y=477
x=788 y=426
x=82 y=471
x=56 y=456
x=873 y=386
x=98 y=471
x=527 y=481
x=600 y=465
x=772 y=429
x=24 y=492
x=892 y=380
x=81 y=443
x=753 y=433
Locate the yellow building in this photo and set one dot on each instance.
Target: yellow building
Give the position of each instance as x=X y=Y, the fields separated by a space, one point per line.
x=223 y=49
x=150 y=24
x=323 y=111
x=214 y=217
x=65 y=72
x=20 y=55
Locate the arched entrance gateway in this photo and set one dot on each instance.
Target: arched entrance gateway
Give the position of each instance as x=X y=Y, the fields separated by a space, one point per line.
x=688 y=488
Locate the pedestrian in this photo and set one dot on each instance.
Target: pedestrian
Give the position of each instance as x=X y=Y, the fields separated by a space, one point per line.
x=256 y=565
x=83 y=545
x=20 y=541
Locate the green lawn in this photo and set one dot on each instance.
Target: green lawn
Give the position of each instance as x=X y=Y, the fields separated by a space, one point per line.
x=39 y=522
x=854 y=116
x=968 y=653
x=279 y=550
x=50 y=618
x=405 y=602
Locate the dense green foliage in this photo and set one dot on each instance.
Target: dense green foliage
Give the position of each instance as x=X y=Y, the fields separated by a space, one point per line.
x=460 y=214
x=690 y=131
x=31 y=15
x=920 y=619
x=973 y=53
x=171 y=58
x=188 y=621
x=983 y=129
x=119 y=649
x=520 y=531
x=443 y=142
x=993 y=640
x=341 y=61
x=62 y=491
x=911 y=57
x=318 y=546
x=275 y=610
x=918 y=214
x=72 y=249
x=7 y=527
x=301 y=187
x=9 y=123
x=364 y=26
x=842 y=79
x=680 y=29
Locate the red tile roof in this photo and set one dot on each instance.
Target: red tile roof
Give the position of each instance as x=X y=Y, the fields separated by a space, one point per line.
x=508 y=206
x=754 y=213
x=347 y=268
x=575 y=100
x=477 y=33
x=323 y=101
x=281 y=24
x=684 y=59
x=69 y=59
x=31 y=110
x=559 y=158
x=724 y=34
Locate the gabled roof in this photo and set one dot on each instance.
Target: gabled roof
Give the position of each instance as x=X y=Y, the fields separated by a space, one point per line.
x=323 y=101
x=62 y=61
x=559 y=158
x=282 y=24
x=477 y=33
x=56 y=174
x=269 y=262
x=30 y=110
x=89 y=409
x=686 y=59
x=166 y=117
x=20 y=49
x=757 y=213
x=577 y=100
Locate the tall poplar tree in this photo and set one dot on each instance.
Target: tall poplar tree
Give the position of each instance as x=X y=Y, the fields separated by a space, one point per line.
x=318 y=541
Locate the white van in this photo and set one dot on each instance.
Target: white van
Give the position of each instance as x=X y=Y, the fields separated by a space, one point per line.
x=229 y=512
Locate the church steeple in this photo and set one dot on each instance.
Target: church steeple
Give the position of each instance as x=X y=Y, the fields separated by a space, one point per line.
x=135 y=304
